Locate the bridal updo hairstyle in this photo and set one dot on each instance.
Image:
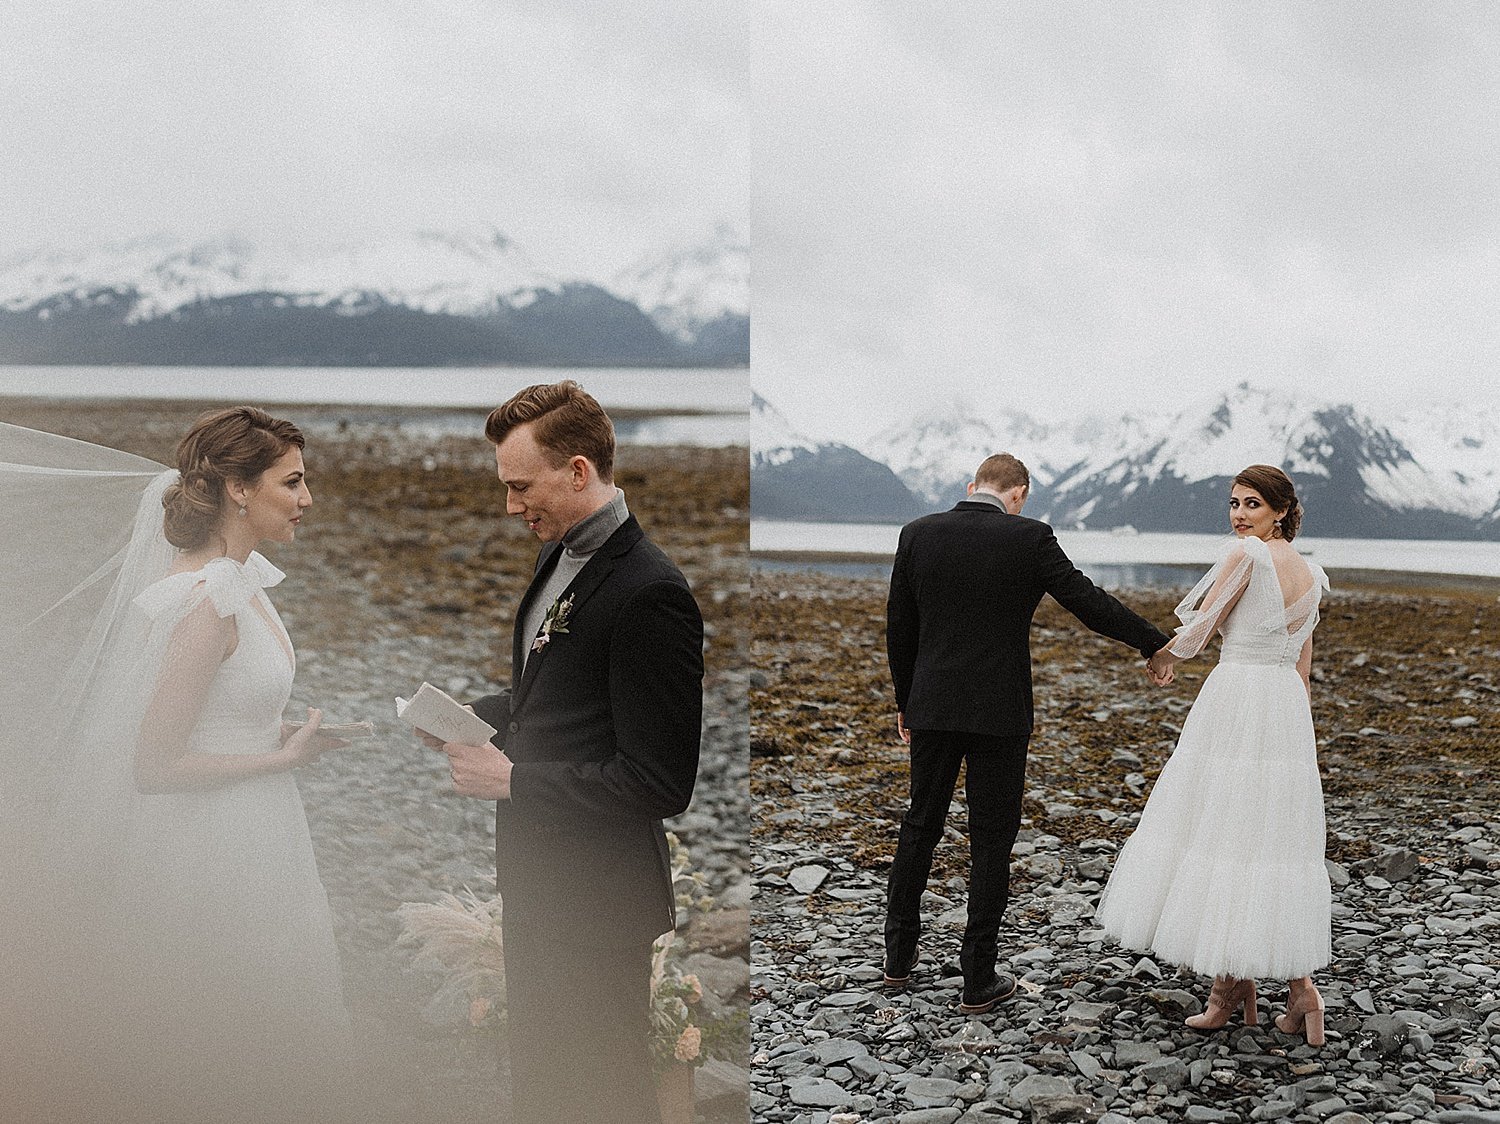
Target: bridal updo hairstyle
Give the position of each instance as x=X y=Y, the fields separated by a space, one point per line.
x=1276 y=488
x=235 y=444
x=569 y=423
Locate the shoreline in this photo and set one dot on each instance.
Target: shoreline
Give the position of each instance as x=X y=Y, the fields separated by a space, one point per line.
x=1350 y=578
x=362 y=411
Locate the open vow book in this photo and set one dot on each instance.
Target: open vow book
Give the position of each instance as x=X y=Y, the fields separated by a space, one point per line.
x=437 y=713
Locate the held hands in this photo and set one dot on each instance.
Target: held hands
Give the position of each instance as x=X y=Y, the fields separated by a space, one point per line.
x=901 y=731
x=304 y=743
x=1161 y=667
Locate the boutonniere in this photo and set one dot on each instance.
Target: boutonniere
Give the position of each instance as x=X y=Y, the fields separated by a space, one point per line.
x=556 y=620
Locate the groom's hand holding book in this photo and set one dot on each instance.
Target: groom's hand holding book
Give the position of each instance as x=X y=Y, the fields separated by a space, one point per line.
x=476 y=767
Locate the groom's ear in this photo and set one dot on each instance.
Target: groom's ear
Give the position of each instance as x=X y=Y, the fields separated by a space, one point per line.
x=583 y=471
x=969 y=490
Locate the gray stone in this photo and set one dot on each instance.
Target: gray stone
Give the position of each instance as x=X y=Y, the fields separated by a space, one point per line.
x=1204 y=1114
x=1466 y=1116
x=1084 y=1012
x=929 y=1116
x=1328 y=1107
x=1032 y=957
x=1038 y=1085
x=1063 y=1109
x=1174 y=1000
x=1086 y=1063
x=1397 y=865
x=806 y=879
x=1131 y=1053
x=1388 y=1033
x=1349 y=1118
x=1273 y=1110
x=817 y=1092
x=1447 y=926
x=987 y=1112
x=865 y=1067
x=1171 y=1072
x=832 y=1051
x=930 y=1092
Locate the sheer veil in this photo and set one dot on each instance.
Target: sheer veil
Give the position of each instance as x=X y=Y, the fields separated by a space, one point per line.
x=83 y=537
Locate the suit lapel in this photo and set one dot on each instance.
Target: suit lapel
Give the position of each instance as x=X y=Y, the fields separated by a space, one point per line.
x=518 y=643
x=583 y=586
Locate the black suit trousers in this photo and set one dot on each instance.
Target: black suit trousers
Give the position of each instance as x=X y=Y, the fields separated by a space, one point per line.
x=578 y=1029
x=995 y=780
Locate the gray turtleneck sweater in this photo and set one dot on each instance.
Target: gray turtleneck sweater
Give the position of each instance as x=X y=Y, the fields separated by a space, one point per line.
x=578 y=546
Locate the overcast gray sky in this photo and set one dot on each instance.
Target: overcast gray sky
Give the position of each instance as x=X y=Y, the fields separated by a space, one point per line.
x=589 y=132
x=1068 y=206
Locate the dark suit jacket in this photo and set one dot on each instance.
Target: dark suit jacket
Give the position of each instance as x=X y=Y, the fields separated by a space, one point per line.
x=958 y=621
x=603 y=728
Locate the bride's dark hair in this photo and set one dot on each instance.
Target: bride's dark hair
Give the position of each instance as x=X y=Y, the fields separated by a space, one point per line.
x=239 y=443
x=1277 y=489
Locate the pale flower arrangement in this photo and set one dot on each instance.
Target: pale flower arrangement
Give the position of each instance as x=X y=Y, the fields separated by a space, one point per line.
x=459 y=937
x=676 y=996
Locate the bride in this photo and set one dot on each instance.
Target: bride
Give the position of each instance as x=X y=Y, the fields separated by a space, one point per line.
x=1225 y=872
x=179 y=945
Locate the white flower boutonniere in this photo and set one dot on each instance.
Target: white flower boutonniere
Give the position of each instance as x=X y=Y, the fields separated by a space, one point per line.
x=556 y=620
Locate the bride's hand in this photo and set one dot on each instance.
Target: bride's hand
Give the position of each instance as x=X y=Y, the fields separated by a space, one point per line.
x=305 y=743
x=1160 y=668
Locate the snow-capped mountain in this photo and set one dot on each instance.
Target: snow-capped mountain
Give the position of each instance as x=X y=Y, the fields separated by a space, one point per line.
x=936 y=451
x=1360 y=472
x=469 y=295
x=461 y=273
x=794 y=477
x=1356 y=475
x=688 y=289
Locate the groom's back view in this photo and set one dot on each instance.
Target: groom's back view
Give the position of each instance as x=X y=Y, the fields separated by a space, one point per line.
x=963 y=590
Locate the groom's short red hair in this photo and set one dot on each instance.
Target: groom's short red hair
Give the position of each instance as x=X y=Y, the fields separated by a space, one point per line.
x=1002 y=472
x=569 y=423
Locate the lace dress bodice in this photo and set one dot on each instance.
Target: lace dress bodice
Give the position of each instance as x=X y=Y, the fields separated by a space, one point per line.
x=1261 y=627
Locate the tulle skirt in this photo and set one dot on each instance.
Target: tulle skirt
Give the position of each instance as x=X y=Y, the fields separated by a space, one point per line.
x=1225 y=872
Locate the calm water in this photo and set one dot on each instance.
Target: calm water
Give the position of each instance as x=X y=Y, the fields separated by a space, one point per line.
x=1137 y=561
x=669 y=407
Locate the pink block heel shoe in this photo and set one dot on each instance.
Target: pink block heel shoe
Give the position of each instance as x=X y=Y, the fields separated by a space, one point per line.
x=1227 y=994
x=1304 y=1016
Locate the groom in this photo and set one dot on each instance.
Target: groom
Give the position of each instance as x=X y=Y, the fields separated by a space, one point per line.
x=963 y=589
x=598 y=741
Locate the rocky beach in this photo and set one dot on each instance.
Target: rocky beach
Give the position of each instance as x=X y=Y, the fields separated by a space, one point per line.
x=1406 y=701
x=407 y=569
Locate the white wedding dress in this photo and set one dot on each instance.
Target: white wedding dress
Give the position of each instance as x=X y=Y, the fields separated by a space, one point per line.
x=168 y=957
x=227 y=957
x=1225 y=872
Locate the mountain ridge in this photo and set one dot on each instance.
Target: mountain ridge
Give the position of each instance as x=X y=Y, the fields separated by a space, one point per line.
x=426 y=298
x=1432 y=472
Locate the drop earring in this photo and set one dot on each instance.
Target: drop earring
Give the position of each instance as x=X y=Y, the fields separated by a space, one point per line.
x=242 y=511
